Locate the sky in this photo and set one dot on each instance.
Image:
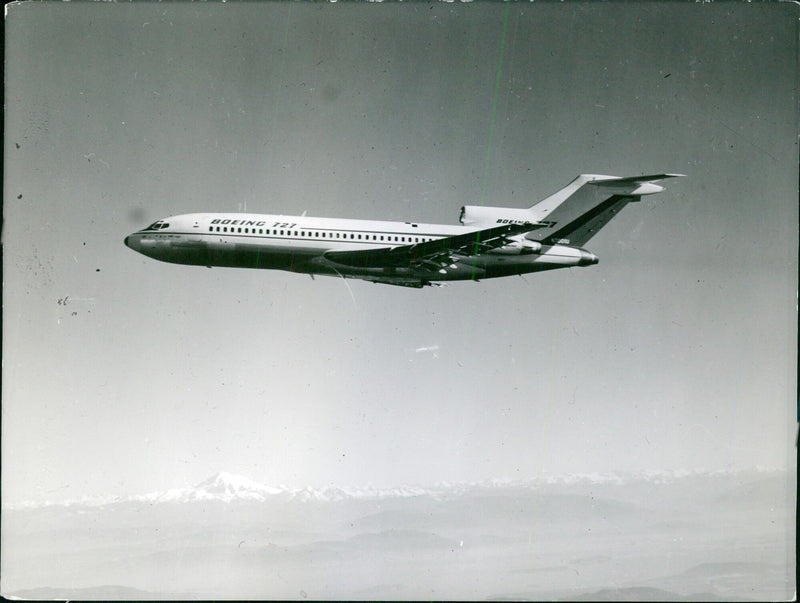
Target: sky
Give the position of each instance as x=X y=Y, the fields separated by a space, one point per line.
x=123 y=375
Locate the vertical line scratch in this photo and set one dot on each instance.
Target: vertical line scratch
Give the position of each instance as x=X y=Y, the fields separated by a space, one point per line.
x=494 y=103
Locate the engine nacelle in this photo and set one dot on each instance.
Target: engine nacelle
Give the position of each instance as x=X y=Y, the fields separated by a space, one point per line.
x=518 y=248
x=480 y=214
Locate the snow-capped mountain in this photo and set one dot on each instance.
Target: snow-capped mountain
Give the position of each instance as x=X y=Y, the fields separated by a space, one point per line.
x=224 y=487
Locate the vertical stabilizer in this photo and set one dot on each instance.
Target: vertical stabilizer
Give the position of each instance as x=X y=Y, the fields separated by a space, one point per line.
x=577 y=212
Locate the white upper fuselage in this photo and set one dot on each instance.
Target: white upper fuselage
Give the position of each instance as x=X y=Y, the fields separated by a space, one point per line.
x=322 y=234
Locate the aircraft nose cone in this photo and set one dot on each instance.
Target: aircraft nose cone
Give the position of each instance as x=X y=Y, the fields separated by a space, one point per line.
x=132 y=242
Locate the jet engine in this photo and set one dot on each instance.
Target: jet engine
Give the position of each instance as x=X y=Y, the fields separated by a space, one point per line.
x=518 y=248
x=479 y=214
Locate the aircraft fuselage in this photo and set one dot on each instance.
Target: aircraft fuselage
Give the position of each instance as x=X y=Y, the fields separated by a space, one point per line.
x=298 y=244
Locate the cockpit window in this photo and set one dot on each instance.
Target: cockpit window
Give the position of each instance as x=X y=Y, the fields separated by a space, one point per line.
x=157 y=226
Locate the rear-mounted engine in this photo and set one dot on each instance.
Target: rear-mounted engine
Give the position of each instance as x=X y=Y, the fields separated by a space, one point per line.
x=478 y=214
x=518 y=248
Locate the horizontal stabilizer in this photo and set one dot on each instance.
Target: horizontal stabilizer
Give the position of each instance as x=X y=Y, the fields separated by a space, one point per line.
x=650 y=178
x=634 y=185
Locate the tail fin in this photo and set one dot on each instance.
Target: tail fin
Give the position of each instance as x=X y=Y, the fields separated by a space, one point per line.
x=577 y=212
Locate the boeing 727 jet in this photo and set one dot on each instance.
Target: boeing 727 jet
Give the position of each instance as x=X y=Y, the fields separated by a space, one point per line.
x=491 y=241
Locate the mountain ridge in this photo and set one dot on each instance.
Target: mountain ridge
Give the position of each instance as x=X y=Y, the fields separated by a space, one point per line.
x=227 y=487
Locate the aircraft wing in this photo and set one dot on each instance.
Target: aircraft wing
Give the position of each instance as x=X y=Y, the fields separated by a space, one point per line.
x=416 y=254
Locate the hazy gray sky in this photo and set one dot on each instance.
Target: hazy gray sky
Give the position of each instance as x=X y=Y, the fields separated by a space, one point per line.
x=677 y=351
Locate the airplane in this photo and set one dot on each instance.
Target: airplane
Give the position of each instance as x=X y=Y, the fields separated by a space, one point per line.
x=491 y=242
